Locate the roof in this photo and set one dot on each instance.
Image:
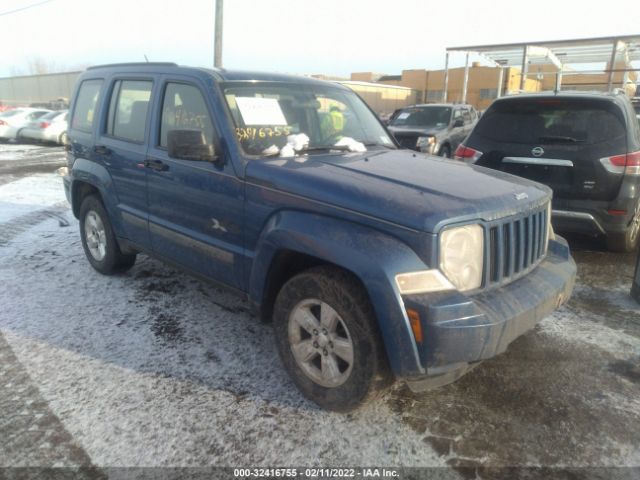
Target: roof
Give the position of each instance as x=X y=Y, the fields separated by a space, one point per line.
x=560 y=52
x=371 y=84
x=220 y=74
x=439 y=105
x=612 y=96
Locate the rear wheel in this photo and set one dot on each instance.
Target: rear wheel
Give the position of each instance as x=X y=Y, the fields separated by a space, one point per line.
x=98 y=240
x=626 y=241
x=327 y=338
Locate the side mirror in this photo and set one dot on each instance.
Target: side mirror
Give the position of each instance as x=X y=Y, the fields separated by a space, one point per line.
x=191 y=145
x=458 y=122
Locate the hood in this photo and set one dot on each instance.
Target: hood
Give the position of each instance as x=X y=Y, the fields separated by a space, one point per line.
x=401 y=187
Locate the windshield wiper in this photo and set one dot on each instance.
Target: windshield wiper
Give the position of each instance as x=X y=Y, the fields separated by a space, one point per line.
x=379 y=144
x=559 y=139
x=324 y=148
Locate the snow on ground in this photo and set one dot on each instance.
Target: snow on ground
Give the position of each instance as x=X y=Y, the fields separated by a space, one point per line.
x=29 y=194
x=16 y=151
x=156 y=368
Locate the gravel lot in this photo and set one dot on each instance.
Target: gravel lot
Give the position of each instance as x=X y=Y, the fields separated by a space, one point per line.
x=155 y=368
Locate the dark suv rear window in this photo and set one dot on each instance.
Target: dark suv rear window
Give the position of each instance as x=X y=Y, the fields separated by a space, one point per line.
x=550 y=121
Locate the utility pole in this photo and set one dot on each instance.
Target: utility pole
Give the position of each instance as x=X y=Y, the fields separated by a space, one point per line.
x=217 y=44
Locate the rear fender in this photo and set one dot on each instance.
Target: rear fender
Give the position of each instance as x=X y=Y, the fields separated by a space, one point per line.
x=94 y=174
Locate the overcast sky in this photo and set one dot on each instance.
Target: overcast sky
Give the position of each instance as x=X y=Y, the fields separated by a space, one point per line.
x=295 y=36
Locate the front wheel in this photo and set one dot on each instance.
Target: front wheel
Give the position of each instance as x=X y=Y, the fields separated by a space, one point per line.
x=328 y=340
x=99 y=241
x=445 y=151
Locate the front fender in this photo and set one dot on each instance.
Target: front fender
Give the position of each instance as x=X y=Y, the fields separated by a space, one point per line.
x=94 y=174
x=374 y=257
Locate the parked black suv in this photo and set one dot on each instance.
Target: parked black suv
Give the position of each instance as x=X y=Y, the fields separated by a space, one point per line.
x=436 y=129
x=585 y=146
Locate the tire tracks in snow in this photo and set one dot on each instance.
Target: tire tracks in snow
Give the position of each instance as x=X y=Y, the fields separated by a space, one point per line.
x=14 y=227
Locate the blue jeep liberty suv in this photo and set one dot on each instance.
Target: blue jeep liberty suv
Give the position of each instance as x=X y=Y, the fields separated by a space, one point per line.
x=371 y=261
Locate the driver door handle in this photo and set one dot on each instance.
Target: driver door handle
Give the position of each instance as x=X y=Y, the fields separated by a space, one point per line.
x=157 y=165
x=101 y=150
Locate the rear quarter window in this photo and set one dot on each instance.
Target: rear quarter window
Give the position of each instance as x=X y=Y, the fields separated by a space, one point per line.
x=548 y=121
x=84 y=113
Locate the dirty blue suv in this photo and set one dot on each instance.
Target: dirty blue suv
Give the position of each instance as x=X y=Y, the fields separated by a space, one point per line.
x=372 y=262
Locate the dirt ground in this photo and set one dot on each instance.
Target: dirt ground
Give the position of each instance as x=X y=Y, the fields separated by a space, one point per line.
x=154 y=368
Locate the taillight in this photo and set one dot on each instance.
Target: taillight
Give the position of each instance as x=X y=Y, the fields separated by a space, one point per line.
x=628 y=164
x=466 y=154
x=2 y=122
x=44 y=124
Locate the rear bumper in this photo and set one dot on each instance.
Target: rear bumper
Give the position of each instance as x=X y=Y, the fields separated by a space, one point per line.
x=592 y=217
x=460 y=331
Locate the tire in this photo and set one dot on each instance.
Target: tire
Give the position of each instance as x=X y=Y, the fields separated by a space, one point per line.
x=98 y=240
x=445 y=151
x=339 y=384
x=627 y=241
x=63 y=139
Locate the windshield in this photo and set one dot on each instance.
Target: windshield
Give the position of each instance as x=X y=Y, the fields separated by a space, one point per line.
x=266 y=113
x=49 y=116
x=422 y=117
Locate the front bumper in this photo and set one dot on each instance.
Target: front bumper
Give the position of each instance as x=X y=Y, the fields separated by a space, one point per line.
x=460 y=330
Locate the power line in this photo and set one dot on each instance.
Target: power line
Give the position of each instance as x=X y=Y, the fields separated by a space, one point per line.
x=2 y=14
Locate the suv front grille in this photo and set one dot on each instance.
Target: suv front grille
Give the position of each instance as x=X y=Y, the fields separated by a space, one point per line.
x=407 y=141
x=514 y=246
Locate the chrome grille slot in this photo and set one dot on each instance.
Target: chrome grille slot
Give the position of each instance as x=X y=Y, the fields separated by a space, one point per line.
x=514 y=246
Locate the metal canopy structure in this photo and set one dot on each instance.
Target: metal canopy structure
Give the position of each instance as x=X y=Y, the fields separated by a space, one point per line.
x=560 y=53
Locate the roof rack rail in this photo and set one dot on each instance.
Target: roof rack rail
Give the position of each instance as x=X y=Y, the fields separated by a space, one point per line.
x=134 y=64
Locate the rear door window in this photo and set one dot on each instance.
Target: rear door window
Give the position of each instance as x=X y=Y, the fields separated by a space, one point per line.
x=85 y=107
x=552 y=121
x=128 y=109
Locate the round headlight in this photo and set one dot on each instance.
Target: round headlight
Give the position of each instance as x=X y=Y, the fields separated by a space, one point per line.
x=461 y=256
x=425 y=141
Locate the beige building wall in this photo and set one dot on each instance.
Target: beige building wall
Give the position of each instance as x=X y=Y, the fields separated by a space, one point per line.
x=482 y=86
x=383 y=99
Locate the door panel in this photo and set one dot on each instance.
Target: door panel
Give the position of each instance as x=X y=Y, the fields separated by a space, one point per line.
x=122 y=148
x=195 y=207
x=195 y=216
